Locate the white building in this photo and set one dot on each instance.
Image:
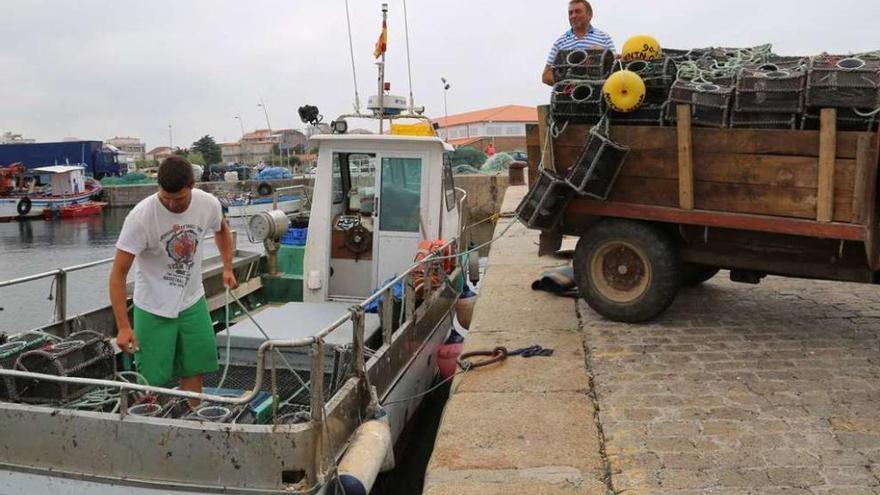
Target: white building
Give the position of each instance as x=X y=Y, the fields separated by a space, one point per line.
x=503 y=127
x=10 y=138
x=131 y=149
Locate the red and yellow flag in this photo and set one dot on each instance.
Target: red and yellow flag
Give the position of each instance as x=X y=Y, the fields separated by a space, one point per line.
x=382 y=43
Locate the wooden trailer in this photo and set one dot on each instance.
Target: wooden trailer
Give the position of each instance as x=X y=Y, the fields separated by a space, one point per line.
x=689 y=201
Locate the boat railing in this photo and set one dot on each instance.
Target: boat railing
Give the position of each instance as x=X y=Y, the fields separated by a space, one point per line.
x=59 y=282
x=430 y=267
x=276 y=195
x=264 y=348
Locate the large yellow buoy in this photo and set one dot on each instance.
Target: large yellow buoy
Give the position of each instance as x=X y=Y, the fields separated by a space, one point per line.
x=624 y=91
x=641 y=47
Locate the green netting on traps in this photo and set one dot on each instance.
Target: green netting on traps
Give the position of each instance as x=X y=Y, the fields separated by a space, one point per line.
x=499 y=162
x=131 y=179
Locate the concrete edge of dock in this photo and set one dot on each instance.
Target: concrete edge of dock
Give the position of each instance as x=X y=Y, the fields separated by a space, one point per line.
x=523 y=426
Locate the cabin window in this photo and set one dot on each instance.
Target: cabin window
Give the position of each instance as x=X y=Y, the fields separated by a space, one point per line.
x=448 y=182
x=401 y=194
x=337 y=180
x=354 y=179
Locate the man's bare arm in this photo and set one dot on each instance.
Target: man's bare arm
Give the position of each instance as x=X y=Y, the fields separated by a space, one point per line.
x=119 y=300
x=223 y=240
x=548 y=76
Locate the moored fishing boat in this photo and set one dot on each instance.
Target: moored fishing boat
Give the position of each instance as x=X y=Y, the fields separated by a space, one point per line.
x=326 y=349
x=81 y=210
x=305 y=362
x=247 y=205
x=22 y=196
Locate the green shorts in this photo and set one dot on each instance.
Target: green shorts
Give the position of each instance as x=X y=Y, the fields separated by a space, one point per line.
x=175 y=347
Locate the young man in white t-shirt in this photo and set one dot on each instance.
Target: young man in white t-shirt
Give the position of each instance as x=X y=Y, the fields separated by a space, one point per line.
x=173 y=336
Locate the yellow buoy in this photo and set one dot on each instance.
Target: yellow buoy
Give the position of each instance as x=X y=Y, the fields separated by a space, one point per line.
x=641 y=47
x=624 y=91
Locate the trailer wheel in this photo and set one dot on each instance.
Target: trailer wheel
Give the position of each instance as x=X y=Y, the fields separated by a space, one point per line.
x=693 y=274
x=627 y=271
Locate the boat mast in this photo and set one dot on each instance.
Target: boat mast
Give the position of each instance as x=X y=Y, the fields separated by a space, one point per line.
x=382 y=75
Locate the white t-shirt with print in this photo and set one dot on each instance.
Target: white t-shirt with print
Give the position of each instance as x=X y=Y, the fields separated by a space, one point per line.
x=168 y=251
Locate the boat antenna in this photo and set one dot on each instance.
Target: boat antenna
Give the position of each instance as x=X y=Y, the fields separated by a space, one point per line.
x=408 y=60
x=357 y=98
x=382 y=71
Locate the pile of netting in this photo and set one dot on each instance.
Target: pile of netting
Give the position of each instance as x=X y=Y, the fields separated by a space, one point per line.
x=130 y=179
x=499 y=162
x=273 y=173
x=726 y=87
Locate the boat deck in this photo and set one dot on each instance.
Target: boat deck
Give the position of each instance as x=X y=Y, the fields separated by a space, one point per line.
x=291 y=321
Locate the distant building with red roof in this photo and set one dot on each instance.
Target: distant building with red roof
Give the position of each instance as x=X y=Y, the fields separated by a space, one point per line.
x=505 y=127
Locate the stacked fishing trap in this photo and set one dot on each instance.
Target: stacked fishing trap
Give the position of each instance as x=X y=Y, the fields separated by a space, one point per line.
x=726 y=88
x=580 y=75
x=749 y=88
x=85 y=354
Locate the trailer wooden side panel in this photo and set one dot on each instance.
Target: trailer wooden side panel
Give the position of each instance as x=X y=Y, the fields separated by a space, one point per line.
x=760 y=172
x=749 y=141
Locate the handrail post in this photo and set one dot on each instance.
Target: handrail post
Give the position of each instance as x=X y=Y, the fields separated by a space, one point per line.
x=386 y=309
x=316 y=402
x=123 y=404
x=358 y=361
x=61 y=301
x=427 y=284
x=409 y=297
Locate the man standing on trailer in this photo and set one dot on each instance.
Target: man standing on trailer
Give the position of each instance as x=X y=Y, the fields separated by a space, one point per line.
x=582 y=36
x=173 y=336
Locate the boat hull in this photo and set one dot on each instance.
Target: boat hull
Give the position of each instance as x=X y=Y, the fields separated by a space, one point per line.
x=69 y=450
x=246 y=210
x=9 y=204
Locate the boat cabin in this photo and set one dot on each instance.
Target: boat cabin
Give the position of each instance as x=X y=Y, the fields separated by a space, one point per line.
x=375 y=198
x=64 y=179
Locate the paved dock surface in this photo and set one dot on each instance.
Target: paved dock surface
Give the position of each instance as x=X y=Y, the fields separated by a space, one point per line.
x=737 y=389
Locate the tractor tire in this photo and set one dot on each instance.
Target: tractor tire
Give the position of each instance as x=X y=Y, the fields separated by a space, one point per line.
x=627 y=271
x=693 y=274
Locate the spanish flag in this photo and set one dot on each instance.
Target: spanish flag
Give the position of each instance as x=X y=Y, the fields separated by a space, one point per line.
x=382 y=43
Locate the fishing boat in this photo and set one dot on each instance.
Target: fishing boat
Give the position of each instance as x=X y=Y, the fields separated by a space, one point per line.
x=22 y=196
x=248 y=205
x=305 y=365
x=81 y=210
x=326 y=349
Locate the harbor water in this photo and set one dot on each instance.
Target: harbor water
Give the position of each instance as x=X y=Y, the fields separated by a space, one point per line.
x=37 y=246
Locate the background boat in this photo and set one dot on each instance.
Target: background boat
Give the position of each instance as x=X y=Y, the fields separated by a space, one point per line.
x=247 y=206
x=68 y=185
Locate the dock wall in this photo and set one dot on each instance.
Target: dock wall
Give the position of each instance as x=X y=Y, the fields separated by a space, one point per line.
x=126 y=196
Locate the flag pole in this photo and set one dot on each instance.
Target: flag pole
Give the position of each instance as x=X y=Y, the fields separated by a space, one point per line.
x=382 y=74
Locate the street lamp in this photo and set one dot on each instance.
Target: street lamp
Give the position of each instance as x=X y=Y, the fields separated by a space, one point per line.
x=170 y=139
x=240 y=123
x=266 y=113
x=446 y=87
x=269 y=126
x=241 y=143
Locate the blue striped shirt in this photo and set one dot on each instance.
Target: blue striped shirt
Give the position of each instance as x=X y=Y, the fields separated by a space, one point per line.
x=595 y=38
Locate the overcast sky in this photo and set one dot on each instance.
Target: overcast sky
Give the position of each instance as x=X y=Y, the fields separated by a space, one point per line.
x=100 y=68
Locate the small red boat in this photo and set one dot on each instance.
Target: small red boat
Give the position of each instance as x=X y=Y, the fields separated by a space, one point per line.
x=75 y=211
